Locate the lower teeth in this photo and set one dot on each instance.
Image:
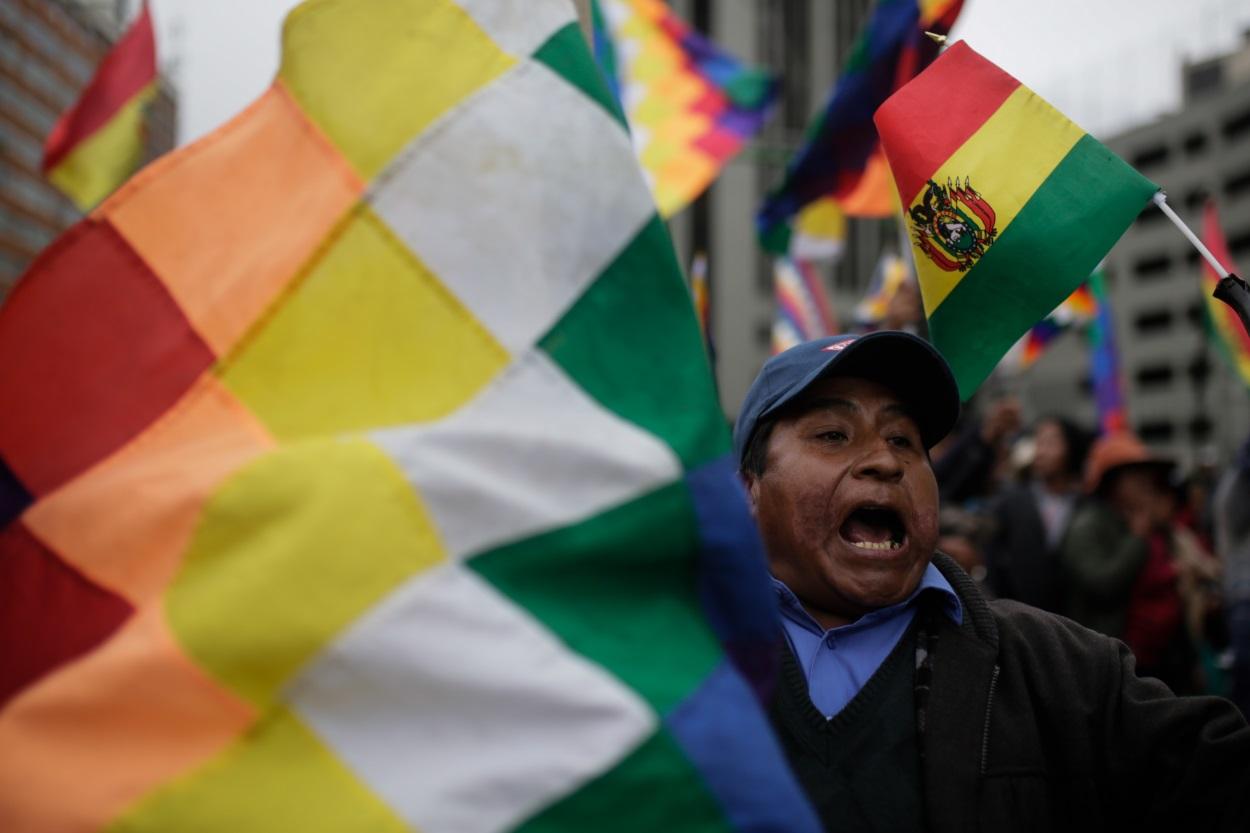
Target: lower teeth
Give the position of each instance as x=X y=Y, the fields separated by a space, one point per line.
x=873 y=545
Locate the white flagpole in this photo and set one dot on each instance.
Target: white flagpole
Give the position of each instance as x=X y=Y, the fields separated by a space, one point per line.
x=1231 y=289
x=1160 y=200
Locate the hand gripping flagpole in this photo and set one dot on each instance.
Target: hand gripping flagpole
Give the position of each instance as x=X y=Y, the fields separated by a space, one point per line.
x=1231 y=289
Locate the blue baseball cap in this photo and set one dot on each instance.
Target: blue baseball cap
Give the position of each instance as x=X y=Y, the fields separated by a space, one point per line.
x=902 y=362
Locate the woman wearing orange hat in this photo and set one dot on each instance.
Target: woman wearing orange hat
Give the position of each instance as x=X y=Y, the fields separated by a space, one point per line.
x=1125 y=562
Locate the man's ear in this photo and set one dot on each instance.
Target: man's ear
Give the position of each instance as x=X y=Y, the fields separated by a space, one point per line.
x=752 y=484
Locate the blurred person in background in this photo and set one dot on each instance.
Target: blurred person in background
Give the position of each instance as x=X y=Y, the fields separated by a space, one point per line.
x=969 y=462
x=962 y=536
x=1031 y=518
x=1231 y=515
x=1130 y=571
x=904 y=311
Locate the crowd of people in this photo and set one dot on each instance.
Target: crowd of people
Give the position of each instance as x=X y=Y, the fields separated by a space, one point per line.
x=1105 y=532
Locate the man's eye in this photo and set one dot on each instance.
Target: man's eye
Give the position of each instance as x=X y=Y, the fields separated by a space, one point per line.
x=832 y=436
x=901 y=441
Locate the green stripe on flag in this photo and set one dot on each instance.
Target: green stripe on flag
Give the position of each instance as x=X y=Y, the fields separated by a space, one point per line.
x=1069 y=224
x=649 y=368
x=565 y=53
x=618 y=594
x=654 y=788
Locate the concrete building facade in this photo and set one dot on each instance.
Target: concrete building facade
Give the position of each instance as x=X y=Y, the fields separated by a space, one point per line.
x=49 y=50
x=1182 y=397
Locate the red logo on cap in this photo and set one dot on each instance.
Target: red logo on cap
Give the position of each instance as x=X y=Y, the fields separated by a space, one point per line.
x=833 y=348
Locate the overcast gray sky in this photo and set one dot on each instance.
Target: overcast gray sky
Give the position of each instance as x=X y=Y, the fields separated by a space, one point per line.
x=1108 y=64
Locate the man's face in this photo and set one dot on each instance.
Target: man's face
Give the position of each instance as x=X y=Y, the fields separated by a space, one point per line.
x=847 y=503
x=1050 y=456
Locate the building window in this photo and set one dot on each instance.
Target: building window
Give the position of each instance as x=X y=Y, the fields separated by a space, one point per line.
x=1151 y=215
x=1149 y=268
x=1237 y=184
x=1237 y=126
x=1194 y=199
x=1239 y=246
x=1154 y=376
x=1199 y=369
x=1157 y=431
x=1204 y=78
x=1195 y=144
x=1150 y=157
x=1200 y=429
x=1153 y=322
x=1196 y=314
x=764 y=334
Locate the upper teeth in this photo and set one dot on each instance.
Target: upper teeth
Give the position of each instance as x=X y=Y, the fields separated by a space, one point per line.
x=873 y=545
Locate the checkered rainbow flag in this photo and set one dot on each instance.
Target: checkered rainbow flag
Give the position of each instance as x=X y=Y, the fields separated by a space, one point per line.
x=363 y=470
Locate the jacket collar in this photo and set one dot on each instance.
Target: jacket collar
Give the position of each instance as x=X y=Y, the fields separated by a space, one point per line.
x=978 y=621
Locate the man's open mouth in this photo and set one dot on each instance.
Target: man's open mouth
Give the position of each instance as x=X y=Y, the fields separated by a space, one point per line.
x=874 y=528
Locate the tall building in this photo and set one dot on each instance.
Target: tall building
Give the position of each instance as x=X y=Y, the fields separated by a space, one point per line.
x=49 y=49
x=806 y=42
x=1182 y=397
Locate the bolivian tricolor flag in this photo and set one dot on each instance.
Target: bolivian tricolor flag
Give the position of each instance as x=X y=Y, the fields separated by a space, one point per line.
x=1010 y=205
x=98 y=142
x=1230 y=336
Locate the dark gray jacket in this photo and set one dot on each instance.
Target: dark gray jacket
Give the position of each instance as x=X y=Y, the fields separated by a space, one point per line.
x=1037 y=723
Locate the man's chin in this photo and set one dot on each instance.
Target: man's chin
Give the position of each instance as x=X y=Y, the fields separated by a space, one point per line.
x=879 y=583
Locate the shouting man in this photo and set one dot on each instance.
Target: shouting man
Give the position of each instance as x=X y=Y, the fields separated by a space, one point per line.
x=907 y=701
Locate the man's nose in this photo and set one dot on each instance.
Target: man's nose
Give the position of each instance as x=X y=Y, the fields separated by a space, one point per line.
x=878 y=461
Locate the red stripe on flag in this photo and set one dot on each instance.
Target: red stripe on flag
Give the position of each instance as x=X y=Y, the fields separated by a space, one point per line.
x=1213 y=237
x=938 y=111
x=125 y=71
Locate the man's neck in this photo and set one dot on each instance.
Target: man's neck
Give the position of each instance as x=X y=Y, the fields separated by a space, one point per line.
x=828 y=619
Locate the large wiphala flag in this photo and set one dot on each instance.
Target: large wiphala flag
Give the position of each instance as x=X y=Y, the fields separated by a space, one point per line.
x=363 y=470
x=1009 y=204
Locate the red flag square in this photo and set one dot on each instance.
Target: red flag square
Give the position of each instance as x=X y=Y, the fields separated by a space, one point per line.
x=49 y=612
x=95 y=349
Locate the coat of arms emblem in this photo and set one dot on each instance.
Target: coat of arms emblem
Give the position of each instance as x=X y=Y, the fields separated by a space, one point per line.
x=954 y=225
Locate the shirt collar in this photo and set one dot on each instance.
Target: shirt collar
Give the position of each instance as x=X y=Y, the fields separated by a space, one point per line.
x=931 y=580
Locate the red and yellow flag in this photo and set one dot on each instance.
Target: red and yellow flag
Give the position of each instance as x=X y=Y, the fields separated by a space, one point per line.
x=1230 y=336
x=98 y=142
x=1010 y=205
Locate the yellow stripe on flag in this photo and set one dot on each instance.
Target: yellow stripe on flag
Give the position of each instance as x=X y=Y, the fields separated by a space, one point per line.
x=341 y=353
x=278 y=555
x=103 y=161
x=1008 y=158
x=352 y=71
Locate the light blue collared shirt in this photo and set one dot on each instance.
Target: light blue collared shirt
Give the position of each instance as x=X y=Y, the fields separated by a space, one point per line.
x=837 y=662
